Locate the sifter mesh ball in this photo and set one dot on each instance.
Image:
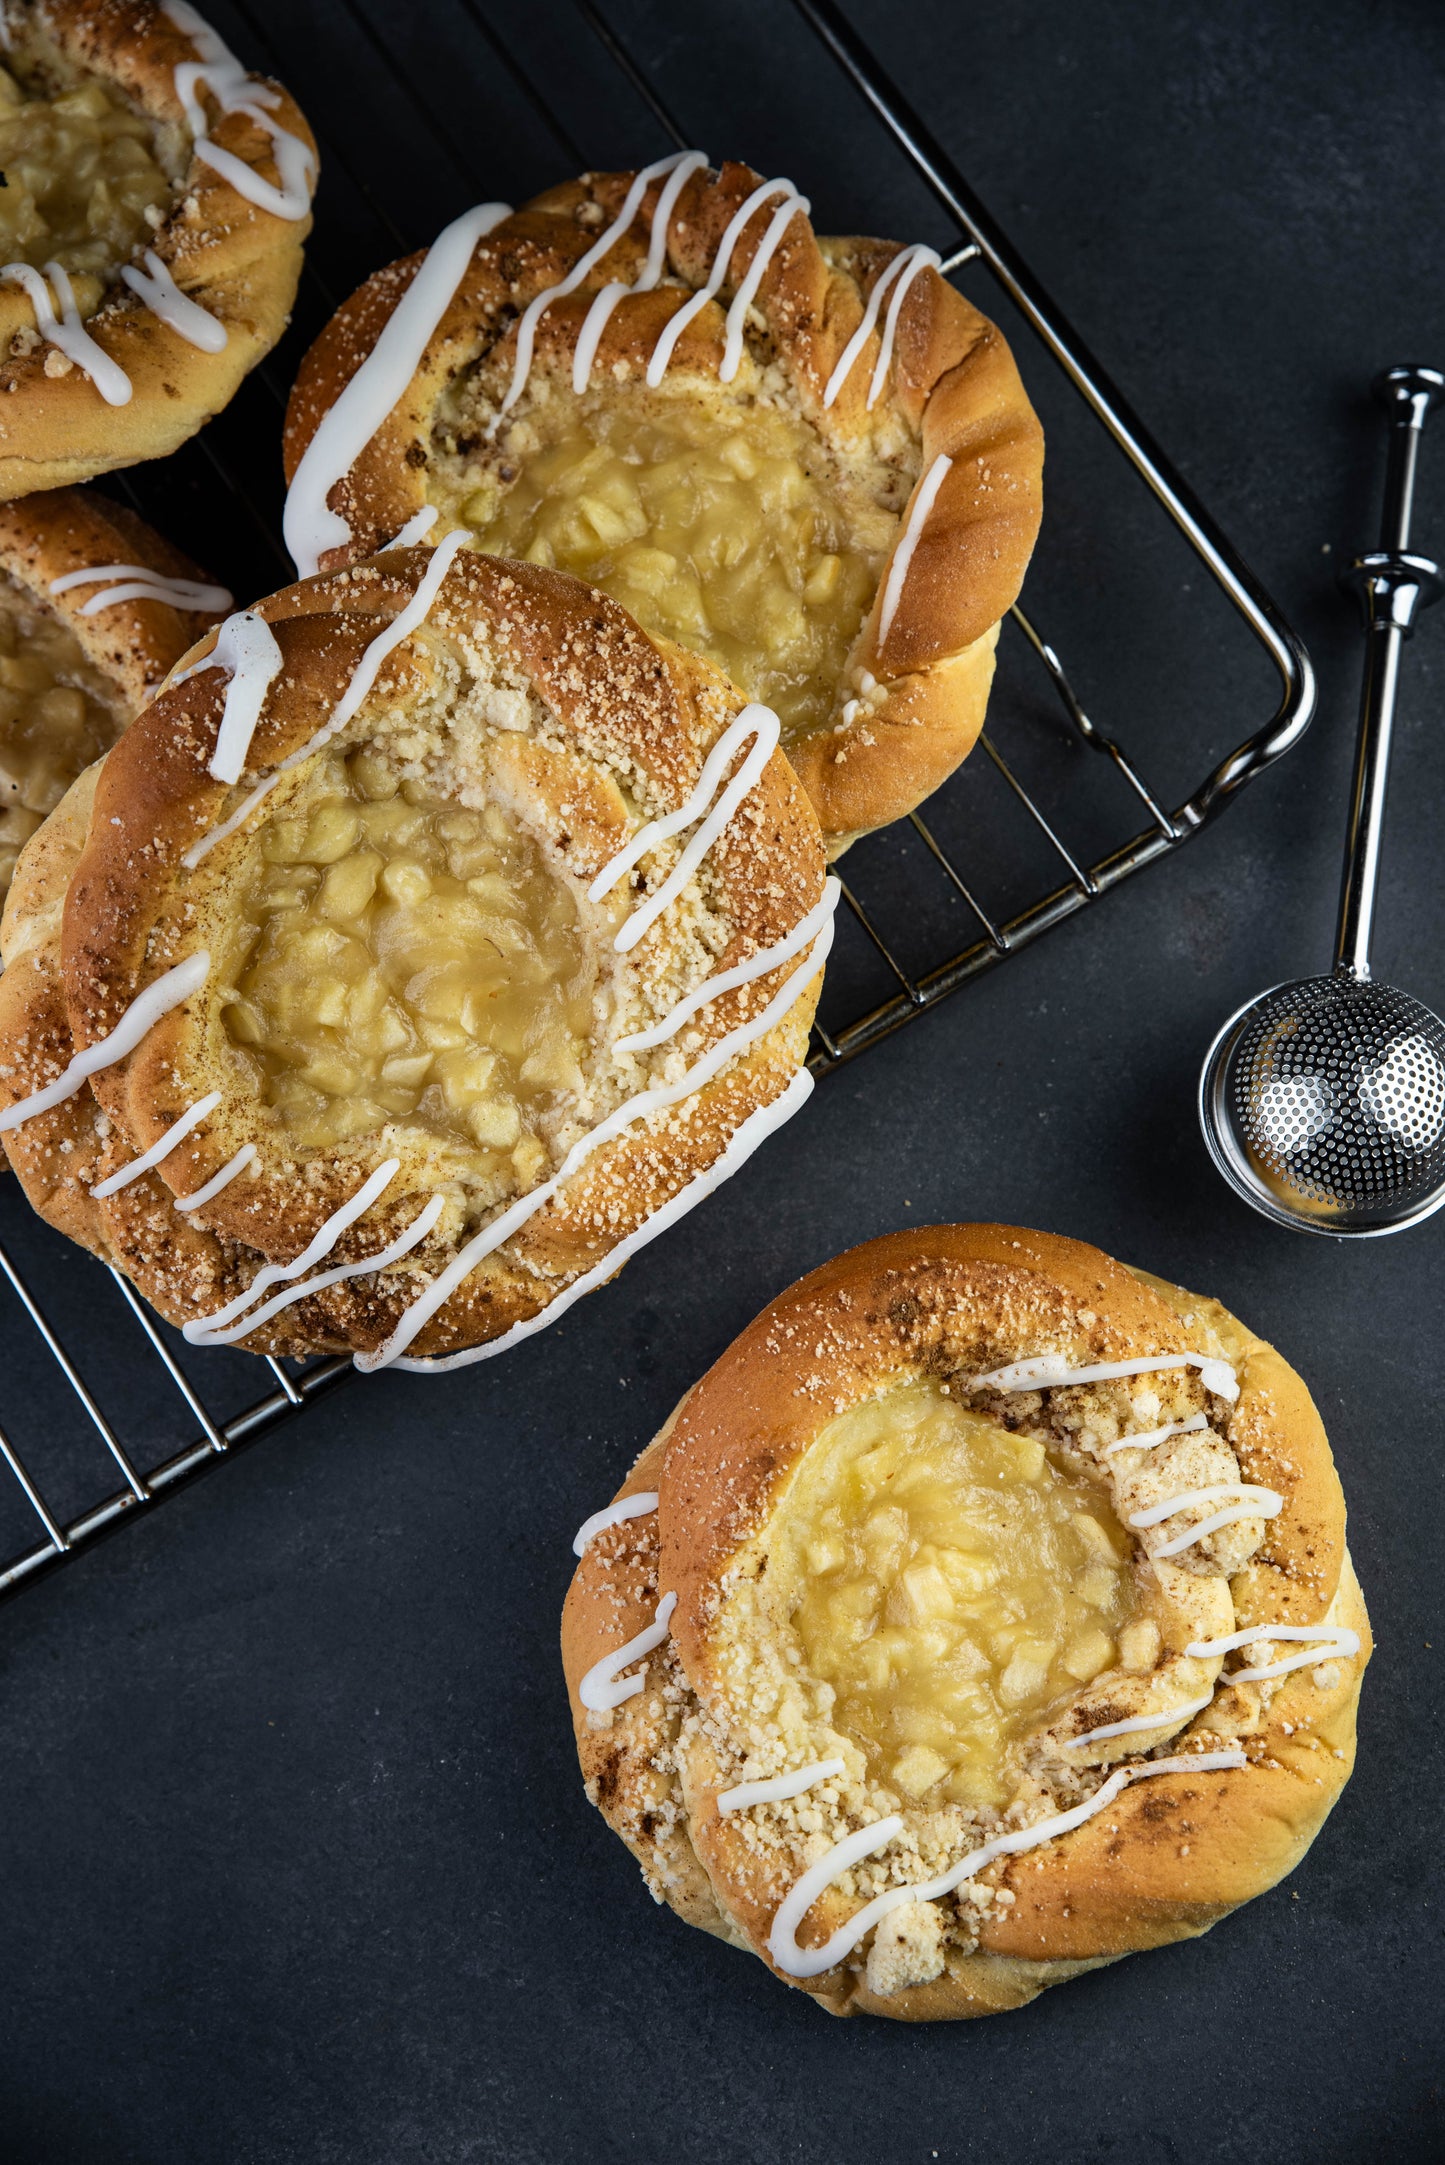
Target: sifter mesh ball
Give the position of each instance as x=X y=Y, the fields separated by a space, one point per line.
x=1338 y=1089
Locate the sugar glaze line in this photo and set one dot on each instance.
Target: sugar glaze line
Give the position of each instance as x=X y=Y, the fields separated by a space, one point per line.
x=150 y=1159
x=321 y=1244
x=902 y=563
x=1322 y=1641
x=236 y=91
x=753 y=1132
x=796 y=1961
x=1148 y=1438
x=603 y=1687
x=233 y=1167
x=640 y=1504
x=780 y=1788
x=137 y=582
x=363 y=1266
x=145 y=1010
x=308 y=522
x=159 y=292
x=1050 y=1371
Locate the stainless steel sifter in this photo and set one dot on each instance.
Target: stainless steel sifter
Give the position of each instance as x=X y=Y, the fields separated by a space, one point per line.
x=1323 y=1101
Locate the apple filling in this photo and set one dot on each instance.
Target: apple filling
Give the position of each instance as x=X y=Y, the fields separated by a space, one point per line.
x=411 y=959
x=723 y=530
x=950 y=1583
x=82 y=183
x=57 y=713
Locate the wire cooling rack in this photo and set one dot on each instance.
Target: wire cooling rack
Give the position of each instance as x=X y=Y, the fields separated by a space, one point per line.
x=947 y=882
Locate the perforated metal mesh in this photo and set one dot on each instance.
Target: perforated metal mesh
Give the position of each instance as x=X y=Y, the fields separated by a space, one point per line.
x=1338 y=1089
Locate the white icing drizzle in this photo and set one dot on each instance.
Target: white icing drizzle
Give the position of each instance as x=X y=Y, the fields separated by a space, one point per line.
x=1147 y=1438
x=246 y=649
x=767 y=248
x=898 y=570
x=817 y=920
x=164 y=298
x=416 y=529
x=311 y=527
x=145 y=1010
x=594 y=323
x=137 y=582
x=758 y=722
x=363 y=1267
x=402 y=625
x=781 y=1787
x=1328 y=1640
x=589 y=337
x=761 y=724
x=681 y=163
x=237 y=92
x=603 y=1687
x=191 y=857
x=363 y=677
x=639 y=1505
x=1137 y=1722
x=1047 y=1371
x=66 y=331
x=321 y=1244
x=246 y=1155
x=754 y=1131
x=1250 y=1503
x=150 y=1159
x=905 y=265
x=921 y=258
x=796 y=1961
x=662 y=352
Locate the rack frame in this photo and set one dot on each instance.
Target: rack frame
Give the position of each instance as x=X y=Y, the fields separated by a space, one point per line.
x=977 y=241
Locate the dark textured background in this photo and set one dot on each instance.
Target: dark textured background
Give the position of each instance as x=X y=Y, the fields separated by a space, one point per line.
x=297 y=1864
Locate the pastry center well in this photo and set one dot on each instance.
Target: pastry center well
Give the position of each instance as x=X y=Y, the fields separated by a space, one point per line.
x=719 y=528
x=56 y=715
x=413 y=960
x=80 y=174
x=951 y=1583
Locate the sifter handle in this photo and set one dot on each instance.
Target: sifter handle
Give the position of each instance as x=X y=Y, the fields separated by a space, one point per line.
x=1392 y=585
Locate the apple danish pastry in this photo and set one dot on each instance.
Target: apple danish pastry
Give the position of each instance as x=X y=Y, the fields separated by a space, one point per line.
x=433 y=940
x=94 y=609
x=983 y=1615
x=155 y=205
x=809 y=460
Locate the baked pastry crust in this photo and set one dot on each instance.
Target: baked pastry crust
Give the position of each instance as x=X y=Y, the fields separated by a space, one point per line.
x=104 y=905
x=129 y=639
x=232 y=257
x=1171 y=1854
x=953 y=424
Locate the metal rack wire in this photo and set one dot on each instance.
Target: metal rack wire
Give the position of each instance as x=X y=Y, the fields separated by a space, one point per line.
x=993 y=933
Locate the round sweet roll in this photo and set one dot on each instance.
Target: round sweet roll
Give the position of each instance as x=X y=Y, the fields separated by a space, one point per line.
x=156 y=204
x=95 y=608
x=810 y=460
x=983 y=1615
x=433 y=940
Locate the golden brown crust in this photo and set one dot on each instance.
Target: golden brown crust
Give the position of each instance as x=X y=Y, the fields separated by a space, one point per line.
x=953 y=393
x=136 y=642
x=133 y=643
x=1173 y=1853
x=238 y=261
x=615 y=702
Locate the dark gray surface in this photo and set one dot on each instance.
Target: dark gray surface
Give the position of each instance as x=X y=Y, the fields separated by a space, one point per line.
x=297 y=1861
